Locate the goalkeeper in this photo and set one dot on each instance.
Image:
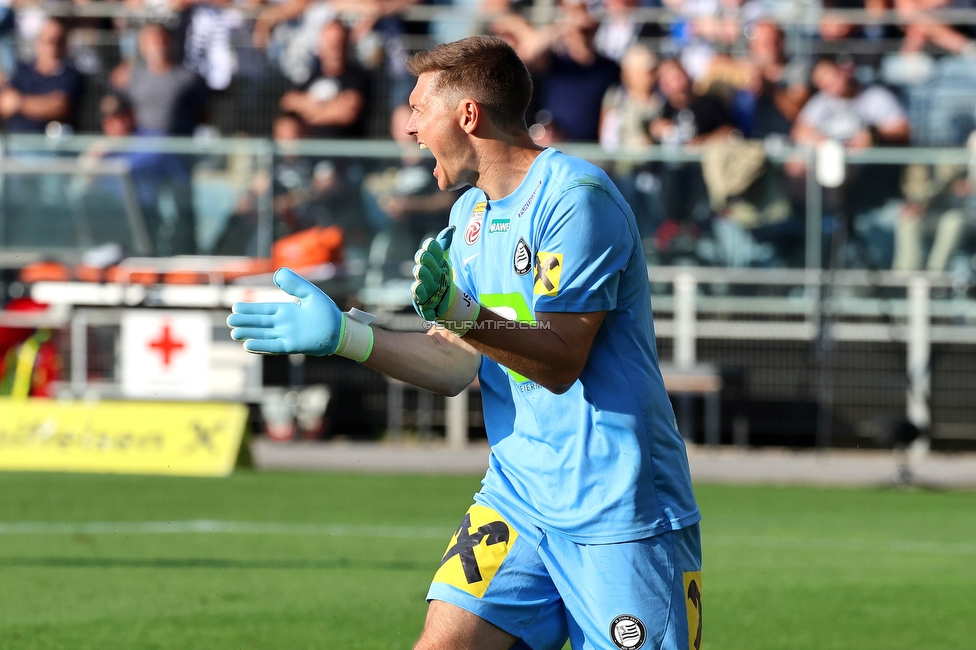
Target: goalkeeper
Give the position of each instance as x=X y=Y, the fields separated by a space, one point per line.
x=585 y=527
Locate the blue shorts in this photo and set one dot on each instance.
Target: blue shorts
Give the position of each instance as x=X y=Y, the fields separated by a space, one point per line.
x=545 y=589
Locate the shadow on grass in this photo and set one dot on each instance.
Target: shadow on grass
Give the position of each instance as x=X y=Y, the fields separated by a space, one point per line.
x=209 y=563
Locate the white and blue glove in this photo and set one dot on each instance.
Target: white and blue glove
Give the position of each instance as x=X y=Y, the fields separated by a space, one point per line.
x=435 y=296
x=312 y=326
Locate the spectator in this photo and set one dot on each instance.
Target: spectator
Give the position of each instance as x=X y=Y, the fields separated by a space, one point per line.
x=575 y=75
x=769 y=89
x=301 y=187
x=153 y=175
x=687 y=117
x=466 y=18
x=921 y=29
x=289 y=31
x=47 y=89
x=753 y=222
x=938 y=210
x=844 y=111
x=691 y=119
x=403 y=205
x=202 y=40
x=838 y=30
x=706 y=28
x=404 y=197
x=117 y=118
x=619 y=30
x=379 y=38
x=628 y=110
x=781 y=87
x=333 y=102
x=168 y=98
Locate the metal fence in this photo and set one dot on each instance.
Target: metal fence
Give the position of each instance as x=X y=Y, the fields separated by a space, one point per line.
x=821 y=353
x=106 y=36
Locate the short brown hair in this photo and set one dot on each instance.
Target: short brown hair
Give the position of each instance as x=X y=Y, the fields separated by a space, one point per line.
x=484 y=68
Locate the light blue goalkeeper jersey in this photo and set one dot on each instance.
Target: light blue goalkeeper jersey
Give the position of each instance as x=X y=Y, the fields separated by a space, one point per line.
x=603 y=462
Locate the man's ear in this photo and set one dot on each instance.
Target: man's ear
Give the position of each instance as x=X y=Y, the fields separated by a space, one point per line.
x=469 y=114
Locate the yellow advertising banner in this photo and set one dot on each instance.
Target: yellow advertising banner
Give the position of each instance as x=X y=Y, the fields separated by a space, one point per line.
x=181 y=438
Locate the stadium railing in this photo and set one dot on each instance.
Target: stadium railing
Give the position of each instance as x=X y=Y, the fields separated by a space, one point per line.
x=248 y=105
x=819 y=354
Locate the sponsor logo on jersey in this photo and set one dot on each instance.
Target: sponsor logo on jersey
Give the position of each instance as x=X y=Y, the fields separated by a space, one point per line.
x=693 y=603
x=475 y=221
x=477 y=550
x=528 y=203
x=627 y=632
x=522 y=260
x=499 y=225
x=548 y=271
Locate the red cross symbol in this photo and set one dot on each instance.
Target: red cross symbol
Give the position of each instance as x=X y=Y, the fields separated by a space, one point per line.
x=166 y=344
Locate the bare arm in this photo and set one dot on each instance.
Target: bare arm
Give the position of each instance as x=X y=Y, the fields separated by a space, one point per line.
x=552 y=355
x=343 y=110
x=271 y=16
x=438 y=361
x=894 y=132
x=790 y=100
x=49 y=106
x=658 y=129
x=531 y=43
x=804 y=133
x=722 y=132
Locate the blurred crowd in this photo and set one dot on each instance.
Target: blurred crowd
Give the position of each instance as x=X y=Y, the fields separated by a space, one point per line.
x=734 y=80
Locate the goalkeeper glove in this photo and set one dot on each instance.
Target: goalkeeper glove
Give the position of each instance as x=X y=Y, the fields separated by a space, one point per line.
x=312 y=326
x=435 y=296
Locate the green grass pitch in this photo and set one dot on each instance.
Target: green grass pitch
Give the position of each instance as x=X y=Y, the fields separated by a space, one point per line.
x=343 y=561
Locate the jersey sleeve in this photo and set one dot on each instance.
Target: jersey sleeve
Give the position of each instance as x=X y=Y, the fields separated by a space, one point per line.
x=584 y=245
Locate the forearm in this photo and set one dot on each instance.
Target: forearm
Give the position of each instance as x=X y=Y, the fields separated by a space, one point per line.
x=531 y=43
x=437 y=361
x=803 y=133
x=790 y=100
x=50 y=106
x=552 y=353
x=552 y=350
x=894 y=133
x=341 y=111
x=721 y=133
x=275 y=14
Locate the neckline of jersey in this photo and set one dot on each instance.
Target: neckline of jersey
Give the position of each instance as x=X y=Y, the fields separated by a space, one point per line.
x=528 y=184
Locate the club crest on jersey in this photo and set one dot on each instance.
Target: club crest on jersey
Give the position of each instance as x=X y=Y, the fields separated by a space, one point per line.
x=627 y=632
x=473 y=230
x=522 y=260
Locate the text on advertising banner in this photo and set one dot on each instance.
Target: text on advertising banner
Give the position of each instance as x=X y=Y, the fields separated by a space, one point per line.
x=188 y=439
